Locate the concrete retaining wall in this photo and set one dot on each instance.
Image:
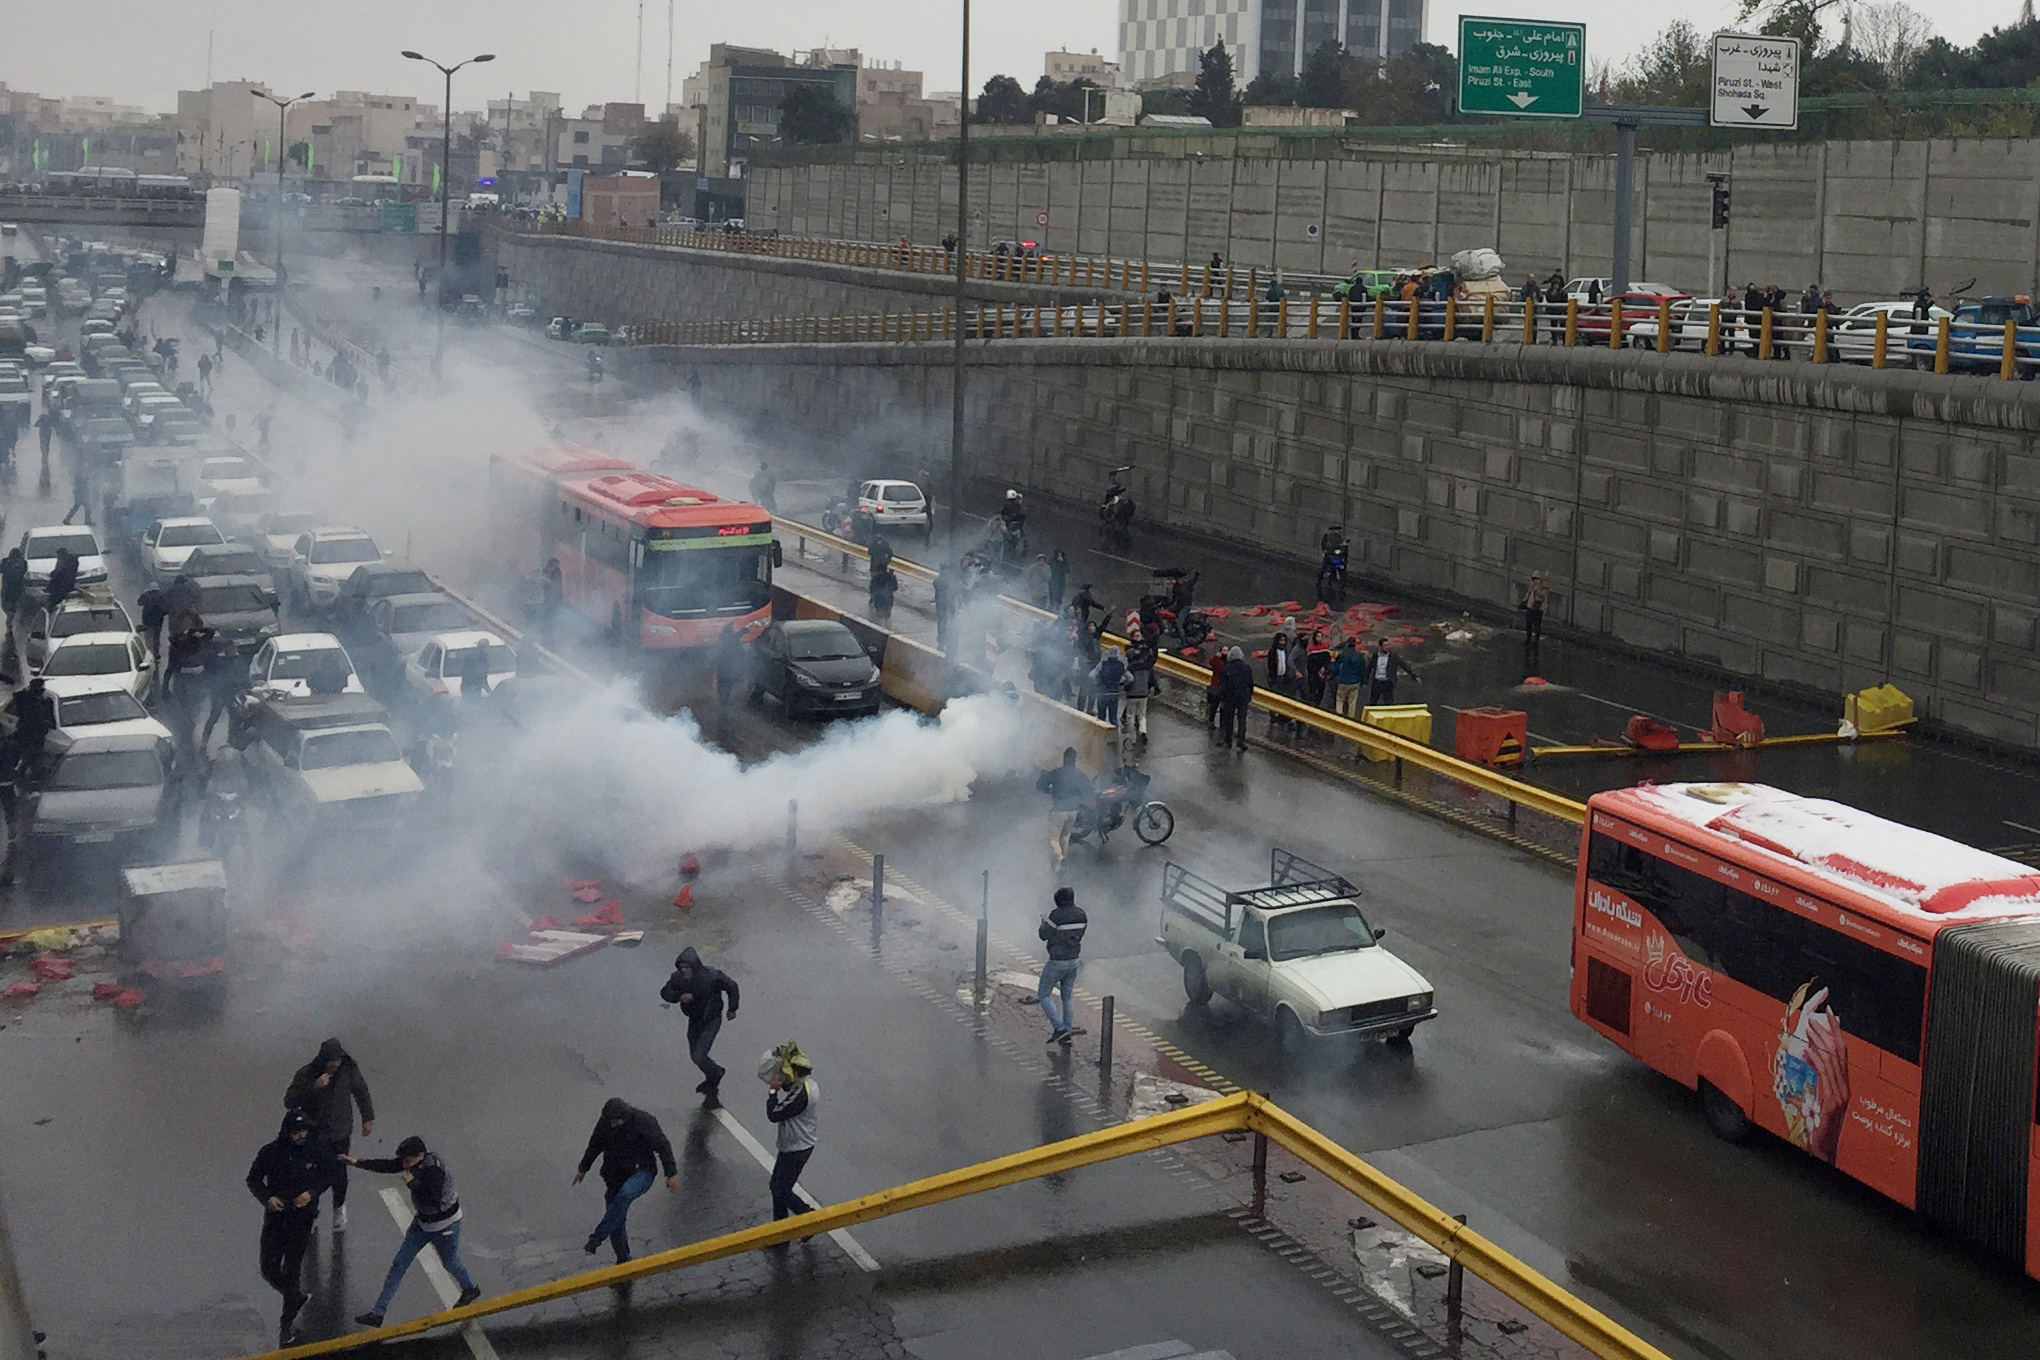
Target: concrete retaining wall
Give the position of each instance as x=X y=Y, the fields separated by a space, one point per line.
x=1820 y=529
x=617 y=283
x=1864 y=218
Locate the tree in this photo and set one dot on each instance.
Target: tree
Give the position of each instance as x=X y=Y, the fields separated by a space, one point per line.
x=1003 y=101
x=1170 y=99
x=1323 y=82
x=1272 y=88
x=1216 y=98
x=1675 y=69
x=1067 y=100
x=1799 y=19
x=1892 y=34
x=664 y=147
x=811 y=116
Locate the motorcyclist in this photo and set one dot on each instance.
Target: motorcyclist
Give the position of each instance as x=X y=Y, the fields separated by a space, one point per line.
x=1013 y=514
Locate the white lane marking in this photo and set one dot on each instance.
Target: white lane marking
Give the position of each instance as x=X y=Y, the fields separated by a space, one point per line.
x=850 y=1245
x=2021 y=826
x=478 y=1343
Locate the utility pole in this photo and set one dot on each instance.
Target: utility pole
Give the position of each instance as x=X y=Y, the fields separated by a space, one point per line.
x=669 y=59
x=962 y=249
x=637 y=78
x=445 y=184
x=282 y=105
x=1627 y=118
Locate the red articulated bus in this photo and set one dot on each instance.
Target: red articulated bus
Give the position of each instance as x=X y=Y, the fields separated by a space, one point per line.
x=1867 y=991
x=658 y=563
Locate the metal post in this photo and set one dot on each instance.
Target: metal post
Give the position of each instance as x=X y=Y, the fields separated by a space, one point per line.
x=962 y=249
x=1260 y=1175
x=792 y=826
x=1717 y=238
x=18 y=1336
x=984 y=936
x=1625 y=192
x=1455 y=1281
x=877 y=899
x=1105 y=1037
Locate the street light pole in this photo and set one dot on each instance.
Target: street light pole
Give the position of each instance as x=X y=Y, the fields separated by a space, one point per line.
x=282 y=105
x=962 y=249
x=445 y=184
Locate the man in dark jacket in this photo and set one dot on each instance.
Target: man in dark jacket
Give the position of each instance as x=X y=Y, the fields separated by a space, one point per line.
x=1063 y=931
x=698 y=989
x=287 y=1176
x=63 y=577
x=1382 y=668
x=154 y=603
x=632 y=1146
x=1235 y=697
x=327 y=1090
x=13 y=580
x=435 y=1206
x=1067 y=787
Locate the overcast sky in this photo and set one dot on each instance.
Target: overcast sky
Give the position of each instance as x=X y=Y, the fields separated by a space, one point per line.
x=144 y=51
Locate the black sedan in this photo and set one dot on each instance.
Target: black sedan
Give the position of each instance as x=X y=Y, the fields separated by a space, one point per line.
x=814 y=666
x=242 y=608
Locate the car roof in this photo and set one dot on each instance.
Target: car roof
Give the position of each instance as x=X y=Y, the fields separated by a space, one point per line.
x=231 y=578
x=186 y=522
x=82 y=639
x=76 y=741
x=416 y=597
x=468 y=637
x=891 y=481
x=338 y=531
x=388 y=566
x=305 y=642
x=812 y=626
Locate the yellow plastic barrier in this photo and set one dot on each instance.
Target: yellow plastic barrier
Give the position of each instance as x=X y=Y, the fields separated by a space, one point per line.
x=1410 y=721
x=1880 y=708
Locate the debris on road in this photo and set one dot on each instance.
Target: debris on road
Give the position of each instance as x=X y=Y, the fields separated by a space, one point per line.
x=545 y=948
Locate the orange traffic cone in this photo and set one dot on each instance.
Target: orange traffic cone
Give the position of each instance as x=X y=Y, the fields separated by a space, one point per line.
x=685 y=897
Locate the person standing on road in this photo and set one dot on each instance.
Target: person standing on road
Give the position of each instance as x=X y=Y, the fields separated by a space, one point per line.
x=698 y=988
x=474 y=674
x=81 y=490
x=1382 y=669
x=327 y=1090
x=765 y=487
x=205 y=368
x=633 y=1147
x=154 y=605
x=226 y=680
x=728 y=663
x=1063 y=931
x=435 y=1204
x=1235 y=697
x=790 y=1105
x=1349 y=672
x=63 y=577
x=1067 y=787
x=287 y=1177
x=1140 y=684
x=1535 y=596
x=1214 y=690
x=883 y=590
x=1106 y=678
x=45 y=426
x=1034 y=582
x=1058 y=581
x=13 y=580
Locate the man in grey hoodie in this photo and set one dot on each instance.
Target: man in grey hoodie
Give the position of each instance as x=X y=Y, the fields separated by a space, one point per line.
x=328 y=1089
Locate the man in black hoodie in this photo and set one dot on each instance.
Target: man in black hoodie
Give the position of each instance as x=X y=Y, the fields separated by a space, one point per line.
x=632 y=1146
x=327 y=1089
x=697 y=988
x=287 y=1177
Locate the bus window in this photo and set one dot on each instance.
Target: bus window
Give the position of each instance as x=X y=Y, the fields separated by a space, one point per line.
x=706 y=581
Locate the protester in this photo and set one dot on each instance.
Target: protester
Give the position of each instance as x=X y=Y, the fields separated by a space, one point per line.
x=792 y=1096
x=1348 y=674
x=1279 y=677
x=1214 y=689
x=13 y=580
x=1058 y=579
x=1106 y=678
x=1382 y=668
x=63 y=578
x=632 y=1147
x=1535 y=596
x=728 y=663
x=1140 y=684
x=1235 y=697
x=327 y=1090
x=698 y=989
x=287 y=1177
x=1067 y=787
x=435 y=1205
x=1063 y=931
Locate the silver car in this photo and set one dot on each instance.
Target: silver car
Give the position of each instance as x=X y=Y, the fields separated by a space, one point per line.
x=96 y=789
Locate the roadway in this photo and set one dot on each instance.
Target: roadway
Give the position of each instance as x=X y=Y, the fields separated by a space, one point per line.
x=1592 y=1168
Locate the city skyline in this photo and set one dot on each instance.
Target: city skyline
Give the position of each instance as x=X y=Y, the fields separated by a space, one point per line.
x=165 y=50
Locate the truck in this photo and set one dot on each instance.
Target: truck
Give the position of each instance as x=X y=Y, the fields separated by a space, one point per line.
x=329 y=762
x=147 y=484
x=1976 y=337
x=1296 y=952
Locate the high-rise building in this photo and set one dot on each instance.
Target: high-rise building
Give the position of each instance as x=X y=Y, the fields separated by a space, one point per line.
x=737 y=92
x=1163 y=38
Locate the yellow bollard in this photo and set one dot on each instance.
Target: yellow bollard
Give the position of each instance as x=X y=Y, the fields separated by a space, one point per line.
x=1171 y=316
x=1764 y=336
x=1091 y=272
x=1143 y=278
x=1197 y=316
x=1282 y=318
x=2008 y=366
x=1572 y=322
x=1713 y=329
x=1615 y=324
x=1877 y=344
x=1820 y=337
x=1487 y=321
x=1664 y=326
x=1311 y=326
x=1451 y=318
x=1415 y=309
x=1530 y=321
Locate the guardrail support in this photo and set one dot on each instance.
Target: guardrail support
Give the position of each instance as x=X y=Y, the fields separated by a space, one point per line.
x=793 y=818
x=1820 y=341
x=1764 y=336
x=1455 y=1282
x=877 y=900
x=984 y=937
x=1260 y=1174
x=1105 y=1036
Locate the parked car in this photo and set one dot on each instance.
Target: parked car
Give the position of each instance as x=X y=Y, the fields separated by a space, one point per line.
x=103 y=708
x=895 y=505
x=373 y=581
x=167 y=543
x=815 y=666
x=219 y=475
x=1296 y=953
x=40 y=547
x=73 y=662
x=92 y=788
x=227 y=559
x=242 y=608
x=401 y=625
x=433 y=671
x=321 y=560
x=37 y=625
x=277 y=533
x=331 y=760
x=285 y=664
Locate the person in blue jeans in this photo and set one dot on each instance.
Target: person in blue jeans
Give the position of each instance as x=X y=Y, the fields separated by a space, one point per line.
x=435 y=1205
x=1063 y=930
x=631 y=1145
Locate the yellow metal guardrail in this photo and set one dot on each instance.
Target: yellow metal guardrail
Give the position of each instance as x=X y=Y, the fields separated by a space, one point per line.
x=1245 y=1111
x=1374 y=738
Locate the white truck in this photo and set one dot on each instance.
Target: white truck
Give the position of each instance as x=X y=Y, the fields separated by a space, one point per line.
x=1297 y=953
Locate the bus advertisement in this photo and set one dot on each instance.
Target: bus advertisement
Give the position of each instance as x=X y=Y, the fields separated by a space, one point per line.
x=1864 y=990
x=660 y=564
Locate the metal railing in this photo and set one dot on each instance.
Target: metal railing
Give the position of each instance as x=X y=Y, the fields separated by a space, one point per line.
x=1942 y=345
x=1244 y=1113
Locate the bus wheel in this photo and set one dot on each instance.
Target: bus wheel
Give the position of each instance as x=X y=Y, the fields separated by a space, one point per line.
x=1724 y=1116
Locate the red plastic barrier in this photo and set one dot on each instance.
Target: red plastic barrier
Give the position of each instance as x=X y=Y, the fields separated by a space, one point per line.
x=1734 y=725
x=1491 y=736
x=1648 y=734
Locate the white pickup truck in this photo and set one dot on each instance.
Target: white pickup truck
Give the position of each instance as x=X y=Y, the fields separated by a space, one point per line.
x=331 y=762
x=1297 y=953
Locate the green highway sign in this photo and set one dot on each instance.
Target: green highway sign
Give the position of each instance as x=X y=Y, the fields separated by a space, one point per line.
x=1522 y=68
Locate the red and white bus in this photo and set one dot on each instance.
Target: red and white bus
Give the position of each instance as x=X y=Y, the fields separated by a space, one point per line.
x=658 y=563
x=1865 y=990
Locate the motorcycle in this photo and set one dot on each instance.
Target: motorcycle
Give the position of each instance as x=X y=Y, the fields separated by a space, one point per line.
x=1115 y=515
x=219 y=821
x=1107 y=810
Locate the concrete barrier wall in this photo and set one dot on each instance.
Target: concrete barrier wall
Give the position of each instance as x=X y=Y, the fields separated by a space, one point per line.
x=1820 y=529
x=1864 y=218
x=620 y=283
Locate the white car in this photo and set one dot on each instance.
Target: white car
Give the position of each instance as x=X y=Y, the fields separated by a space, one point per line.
x=40 y=546
x=322 y=560
x=91 y=611
x=277 y=533
x=433 y=671
x=228 y=475
x=895 y=505
x=104 y=708
x=38 y=355
x=286 y=664
x=153 y=407
x=83 y=661
x=167 y=542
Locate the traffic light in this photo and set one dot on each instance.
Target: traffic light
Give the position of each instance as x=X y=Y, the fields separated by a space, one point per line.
x=1719 y=218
